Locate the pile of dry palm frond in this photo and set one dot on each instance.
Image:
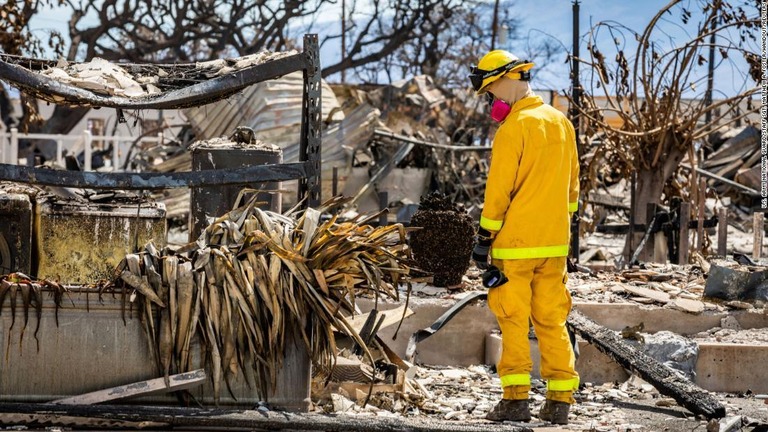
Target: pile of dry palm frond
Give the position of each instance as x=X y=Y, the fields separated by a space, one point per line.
x=252 y=278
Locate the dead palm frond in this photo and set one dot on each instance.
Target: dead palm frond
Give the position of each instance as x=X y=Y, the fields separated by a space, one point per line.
x=252 y=278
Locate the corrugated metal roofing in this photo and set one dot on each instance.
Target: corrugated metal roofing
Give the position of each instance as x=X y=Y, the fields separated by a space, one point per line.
x=273 y=110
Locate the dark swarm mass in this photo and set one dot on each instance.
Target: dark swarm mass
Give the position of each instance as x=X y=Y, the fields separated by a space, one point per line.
x=444 y=243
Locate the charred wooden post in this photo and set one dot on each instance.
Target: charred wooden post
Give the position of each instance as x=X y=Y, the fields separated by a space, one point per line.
x=684 y=219
x=700 y=219
x=758 y=227
x=722 y=232
x=383 y=206
x=335 y=181
x=664 y=379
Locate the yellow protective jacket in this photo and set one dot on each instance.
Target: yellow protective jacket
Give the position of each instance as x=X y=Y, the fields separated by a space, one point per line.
x=533 y=183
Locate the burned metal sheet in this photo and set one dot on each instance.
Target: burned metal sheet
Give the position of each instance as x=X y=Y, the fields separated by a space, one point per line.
x=736 y=284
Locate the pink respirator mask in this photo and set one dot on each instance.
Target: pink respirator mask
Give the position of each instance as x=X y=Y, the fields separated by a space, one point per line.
x=499 y=109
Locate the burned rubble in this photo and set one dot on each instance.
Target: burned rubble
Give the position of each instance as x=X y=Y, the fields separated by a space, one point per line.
x=413 y=131
x=443 y=240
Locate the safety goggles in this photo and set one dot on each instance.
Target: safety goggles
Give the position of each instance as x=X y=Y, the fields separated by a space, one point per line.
x=477 y=76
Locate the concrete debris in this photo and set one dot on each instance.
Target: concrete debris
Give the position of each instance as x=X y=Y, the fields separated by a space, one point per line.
x=100 y=76
x=673 y=350
x=754 y=337
x=730 y=323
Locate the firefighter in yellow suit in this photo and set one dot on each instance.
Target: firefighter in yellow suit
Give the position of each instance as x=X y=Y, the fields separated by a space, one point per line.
x=531 y=193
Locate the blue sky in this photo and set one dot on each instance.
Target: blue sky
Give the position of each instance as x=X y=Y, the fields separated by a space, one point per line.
x=555 y=18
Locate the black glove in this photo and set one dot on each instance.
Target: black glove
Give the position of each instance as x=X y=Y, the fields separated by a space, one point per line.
x=494 y=277
x=482 y=247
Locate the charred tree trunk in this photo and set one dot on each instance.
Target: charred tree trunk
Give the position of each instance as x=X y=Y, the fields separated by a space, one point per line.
x=664 y=379
x=650 y=187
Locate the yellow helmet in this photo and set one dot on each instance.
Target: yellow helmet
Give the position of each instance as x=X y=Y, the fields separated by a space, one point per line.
x=495 y=65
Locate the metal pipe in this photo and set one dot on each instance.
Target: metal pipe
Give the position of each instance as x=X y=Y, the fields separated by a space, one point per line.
x=710 y=73
x=403 y=138
x=576 y=93
x=632 y=204
x=706 y=173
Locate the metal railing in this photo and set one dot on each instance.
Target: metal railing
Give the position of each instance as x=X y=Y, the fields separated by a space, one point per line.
x=9 y=145
x=307 y=171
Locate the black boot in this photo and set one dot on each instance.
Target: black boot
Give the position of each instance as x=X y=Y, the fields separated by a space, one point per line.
x=510 y=410
x=555 y=412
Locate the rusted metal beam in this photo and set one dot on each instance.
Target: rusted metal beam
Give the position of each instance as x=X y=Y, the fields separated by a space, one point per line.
x=155 y=181
x=309 y=144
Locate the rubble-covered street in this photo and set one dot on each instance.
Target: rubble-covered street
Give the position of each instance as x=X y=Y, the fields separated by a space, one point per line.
x=467 y=394
x=630 y=404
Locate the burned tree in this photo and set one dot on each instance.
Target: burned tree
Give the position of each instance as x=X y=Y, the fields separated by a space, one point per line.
x=171 y=31
x=652 y=106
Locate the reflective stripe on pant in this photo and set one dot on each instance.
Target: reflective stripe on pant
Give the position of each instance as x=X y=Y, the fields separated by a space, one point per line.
x=535 y=290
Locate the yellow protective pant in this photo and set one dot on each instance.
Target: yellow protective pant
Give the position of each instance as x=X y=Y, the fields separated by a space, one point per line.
x=536 y=291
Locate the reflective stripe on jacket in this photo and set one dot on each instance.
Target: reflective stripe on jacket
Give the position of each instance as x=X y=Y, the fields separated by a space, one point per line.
x=533 y=183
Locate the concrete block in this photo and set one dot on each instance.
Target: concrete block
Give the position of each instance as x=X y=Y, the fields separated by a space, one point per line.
x=460 y=343
x=596 y=367
x=91 y=349
x=221 y=153
x=82 y=243
x=732 y=367
x=616 y=316
x=749 y=319
x=592 y=365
